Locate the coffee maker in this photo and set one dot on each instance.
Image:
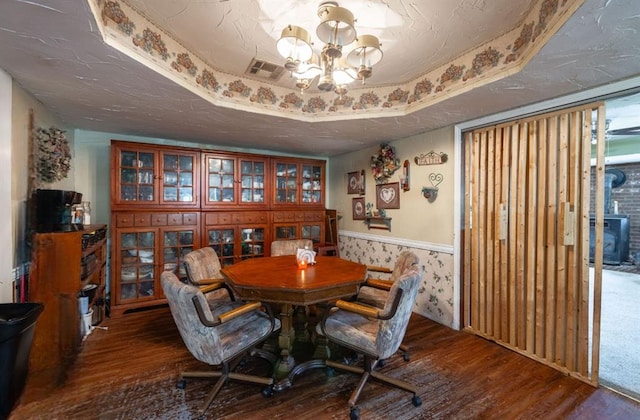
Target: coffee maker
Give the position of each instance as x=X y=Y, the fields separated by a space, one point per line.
x=54 y=210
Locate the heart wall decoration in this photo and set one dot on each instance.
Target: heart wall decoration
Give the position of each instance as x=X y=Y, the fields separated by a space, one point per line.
x=388 y=196
x=431 y=193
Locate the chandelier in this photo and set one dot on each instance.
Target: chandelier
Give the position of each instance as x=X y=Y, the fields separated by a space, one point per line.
x=335 y=70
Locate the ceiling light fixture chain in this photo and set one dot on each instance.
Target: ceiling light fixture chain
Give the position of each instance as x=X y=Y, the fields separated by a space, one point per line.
x=335 y=70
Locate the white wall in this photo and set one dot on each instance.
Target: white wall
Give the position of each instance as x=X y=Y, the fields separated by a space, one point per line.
x=416 y=219
x=6 y=219
x=17 y=168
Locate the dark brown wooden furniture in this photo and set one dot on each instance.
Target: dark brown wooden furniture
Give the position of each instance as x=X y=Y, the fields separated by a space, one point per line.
x=63 y=263
x=167 y=201
x=278 y=280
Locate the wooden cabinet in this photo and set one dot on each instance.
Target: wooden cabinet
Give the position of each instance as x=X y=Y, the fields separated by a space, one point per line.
x=299 y=225
x=231 y=180
x=145 y=244
x=63 y=262
x=236 y=236
x=298 y=182
x=167 y=201
x=147 y=176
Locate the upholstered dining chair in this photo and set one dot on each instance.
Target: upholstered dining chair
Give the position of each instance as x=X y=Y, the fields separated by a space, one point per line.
x=376 y=333
x=289 y=246
x=375 y=291
x=203 y=270
x=221 y=335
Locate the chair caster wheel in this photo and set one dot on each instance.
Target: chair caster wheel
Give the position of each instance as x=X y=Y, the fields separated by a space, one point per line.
x=416 y=401
x=267 y=391
x=381 y=363
x=182 y=384
x=354 y=413
x=405 y=357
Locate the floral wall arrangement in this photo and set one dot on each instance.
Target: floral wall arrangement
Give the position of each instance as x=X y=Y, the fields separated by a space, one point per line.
x=384 y=163
x=53 y=155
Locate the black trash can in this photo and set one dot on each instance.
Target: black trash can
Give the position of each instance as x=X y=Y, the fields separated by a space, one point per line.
x=17 y=322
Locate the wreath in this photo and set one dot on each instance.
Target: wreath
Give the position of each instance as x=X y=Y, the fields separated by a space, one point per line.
x=53 y=156
x=384 y=163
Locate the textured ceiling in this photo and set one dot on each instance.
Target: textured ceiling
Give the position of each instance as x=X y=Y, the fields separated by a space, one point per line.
x=55 y=51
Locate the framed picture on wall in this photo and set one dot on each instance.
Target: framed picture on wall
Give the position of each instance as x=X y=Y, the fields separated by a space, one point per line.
x=388 y=196
x=354 y=181
x=357 y=208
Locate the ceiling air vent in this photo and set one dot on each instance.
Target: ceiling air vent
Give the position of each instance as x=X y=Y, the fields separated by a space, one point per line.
x=264 y=70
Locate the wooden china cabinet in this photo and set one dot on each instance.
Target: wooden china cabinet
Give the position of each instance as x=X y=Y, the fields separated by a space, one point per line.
x=167 y=201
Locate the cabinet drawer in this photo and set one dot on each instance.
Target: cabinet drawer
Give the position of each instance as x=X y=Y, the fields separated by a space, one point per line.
x=190 y=219
x=286 y=216
x=174 y=219
x=210 y=219
x=254 y=217
x=142 y=219
x=159 y=219
x=299 y=216
x=228 y=218
x=313 y=216
x=124 y=220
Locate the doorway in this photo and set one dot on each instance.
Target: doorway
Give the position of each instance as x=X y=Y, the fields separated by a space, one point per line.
x=620 y=334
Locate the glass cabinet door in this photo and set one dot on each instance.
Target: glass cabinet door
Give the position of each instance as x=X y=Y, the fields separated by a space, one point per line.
x=222 y=240
x=179 y=178
x=311 y=231
x=220 y=180
x=252 y=181
x=137 y=277
x=286 y=183
x=137 y=176
x=311 y=184
x=286 y=232
x=175 y=245
x=252 y=242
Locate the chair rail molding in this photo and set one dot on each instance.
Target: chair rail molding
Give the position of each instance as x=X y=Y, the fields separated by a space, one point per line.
x=409 y=243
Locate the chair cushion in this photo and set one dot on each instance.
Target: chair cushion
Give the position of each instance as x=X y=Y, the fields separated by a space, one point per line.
x=354 y=330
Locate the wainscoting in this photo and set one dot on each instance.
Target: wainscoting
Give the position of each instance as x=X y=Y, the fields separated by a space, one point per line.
x=436 y=296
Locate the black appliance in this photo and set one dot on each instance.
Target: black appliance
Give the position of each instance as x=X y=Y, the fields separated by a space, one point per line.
x=54 y=210
x=615 y=241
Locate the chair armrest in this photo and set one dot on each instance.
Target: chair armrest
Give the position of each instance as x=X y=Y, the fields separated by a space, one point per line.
x=234 y=313
x=227 y=316
x=210 y=287
x=212 y=280
x=379 y=284
x=358 y=308
x=379 y=269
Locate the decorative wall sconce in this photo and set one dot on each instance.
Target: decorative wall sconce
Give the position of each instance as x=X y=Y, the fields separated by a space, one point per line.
x=431 y=193
x=404 y=178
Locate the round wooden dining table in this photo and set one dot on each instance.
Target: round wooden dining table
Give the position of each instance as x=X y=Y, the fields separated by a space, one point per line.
x=279 y=280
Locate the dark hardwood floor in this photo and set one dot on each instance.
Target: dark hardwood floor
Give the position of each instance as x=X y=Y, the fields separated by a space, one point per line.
x=130 y=372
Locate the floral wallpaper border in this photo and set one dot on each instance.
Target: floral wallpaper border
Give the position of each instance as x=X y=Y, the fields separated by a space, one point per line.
x=125 y=29
x=435 y=296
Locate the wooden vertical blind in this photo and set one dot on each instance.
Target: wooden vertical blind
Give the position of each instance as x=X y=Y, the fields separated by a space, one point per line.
x=526 y=237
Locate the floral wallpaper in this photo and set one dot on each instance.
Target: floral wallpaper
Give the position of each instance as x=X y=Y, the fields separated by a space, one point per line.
x=125 y=29
x=435 y=296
